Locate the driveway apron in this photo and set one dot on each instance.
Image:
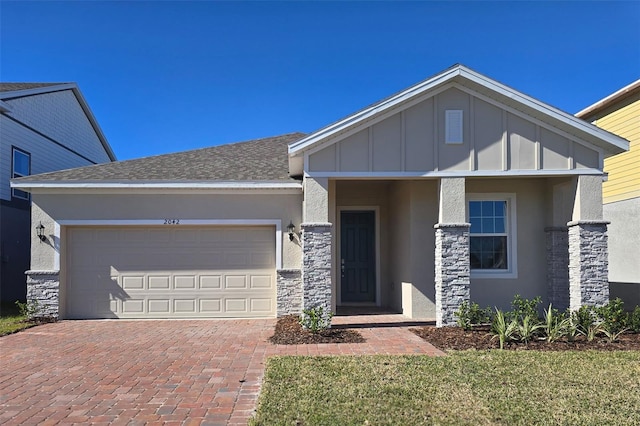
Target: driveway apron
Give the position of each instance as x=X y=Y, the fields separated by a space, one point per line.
x=156 y=372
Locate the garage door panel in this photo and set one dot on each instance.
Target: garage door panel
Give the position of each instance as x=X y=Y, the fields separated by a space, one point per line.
x=210 y=281
x=181 y=272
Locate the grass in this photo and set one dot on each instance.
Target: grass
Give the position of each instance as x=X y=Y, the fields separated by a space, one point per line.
x=11 y=320
x=464 y=388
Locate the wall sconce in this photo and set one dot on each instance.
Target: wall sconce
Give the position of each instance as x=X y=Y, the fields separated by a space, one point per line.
x=40 y=232
x=292 y=229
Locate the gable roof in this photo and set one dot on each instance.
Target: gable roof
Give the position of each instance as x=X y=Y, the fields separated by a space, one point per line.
x=598 y=109
x=9 y=87
x=10 y=91
x=260 y=160
x=610 y=143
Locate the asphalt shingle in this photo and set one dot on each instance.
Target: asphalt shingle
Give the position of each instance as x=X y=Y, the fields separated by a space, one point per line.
x=10 y=87
x=257 y=160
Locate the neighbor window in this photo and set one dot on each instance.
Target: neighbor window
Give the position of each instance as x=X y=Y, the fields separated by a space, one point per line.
x=491 y=235
x=21 y=167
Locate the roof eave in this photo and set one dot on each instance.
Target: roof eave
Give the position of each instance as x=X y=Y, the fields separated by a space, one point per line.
x=123 y=184
x=613 y=144
x=608 y=101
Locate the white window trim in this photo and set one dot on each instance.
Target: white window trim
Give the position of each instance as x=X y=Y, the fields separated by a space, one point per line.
x=14 y=174
x=512 y=235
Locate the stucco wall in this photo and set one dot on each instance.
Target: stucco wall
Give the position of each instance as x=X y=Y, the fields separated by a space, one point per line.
x=195 y=205
x=531 y=212
x=624 y=240
x=413 y=212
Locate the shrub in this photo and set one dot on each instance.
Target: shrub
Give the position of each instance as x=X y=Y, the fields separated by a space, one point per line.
x=315 y=319
x=634 y=320
x=29 y=309
x=613 y=316
x=470 y=314
x=524 y=307
x=584 y=318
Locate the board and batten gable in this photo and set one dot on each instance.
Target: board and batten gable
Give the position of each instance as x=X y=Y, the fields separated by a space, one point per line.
x=410 y=140
x=34 y=122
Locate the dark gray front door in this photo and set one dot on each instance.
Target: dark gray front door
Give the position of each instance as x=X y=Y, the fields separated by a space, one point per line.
x=358 y=256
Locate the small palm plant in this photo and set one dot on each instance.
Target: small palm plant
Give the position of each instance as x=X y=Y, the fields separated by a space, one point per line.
x=502 y=329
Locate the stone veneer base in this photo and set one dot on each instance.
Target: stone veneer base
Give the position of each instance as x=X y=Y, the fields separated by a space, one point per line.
x=453 y=270
x=289 y=292
x=588 y=264
x=43 y=287
x=316 y=266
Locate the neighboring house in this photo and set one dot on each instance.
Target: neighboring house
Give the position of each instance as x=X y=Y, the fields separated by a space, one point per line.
x=619 y=113
x=43 y=127
x=456 y=188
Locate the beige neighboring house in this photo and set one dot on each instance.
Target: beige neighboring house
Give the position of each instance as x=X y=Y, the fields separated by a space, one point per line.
x=619 y=113
x=43 y=127
x=457 y=188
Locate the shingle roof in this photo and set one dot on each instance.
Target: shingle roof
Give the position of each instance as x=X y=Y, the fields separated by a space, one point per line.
x=256 y=160
x=10 y=87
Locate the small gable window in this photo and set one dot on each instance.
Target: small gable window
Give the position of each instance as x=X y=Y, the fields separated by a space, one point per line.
x=21 y=164
x=453 y=126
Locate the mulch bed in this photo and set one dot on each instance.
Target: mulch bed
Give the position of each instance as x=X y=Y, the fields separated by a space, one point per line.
x=455 y=338
x=289 y=332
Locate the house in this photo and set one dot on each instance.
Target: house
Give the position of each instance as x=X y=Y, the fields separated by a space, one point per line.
x=43 y=127
x=456 y=188
x=620 y=113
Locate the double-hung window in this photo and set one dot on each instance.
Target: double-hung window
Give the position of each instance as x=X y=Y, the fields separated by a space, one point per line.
x=21 y=165
x=492 y=235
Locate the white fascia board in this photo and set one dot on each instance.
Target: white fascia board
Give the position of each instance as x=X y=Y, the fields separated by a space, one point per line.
x=449 y=174
x=472 y=76
x=609 y=100
x=160 y=185
x=37 y=90
x=546 y=109
x=373 y=110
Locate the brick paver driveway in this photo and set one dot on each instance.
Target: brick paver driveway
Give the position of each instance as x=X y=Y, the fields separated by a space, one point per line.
x=160 y=372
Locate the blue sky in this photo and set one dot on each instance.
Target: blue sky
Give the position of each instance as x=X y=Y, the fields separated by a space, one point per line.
x=169 y=76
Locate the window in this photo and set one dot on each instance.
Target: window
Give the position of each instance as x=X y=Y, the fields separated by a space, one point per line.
x=21 y=167
x=492 y=236
x=453 y=133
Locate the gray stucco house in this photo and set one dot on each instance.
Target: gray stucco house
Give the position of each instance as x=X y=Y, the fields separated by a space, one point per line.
x=43 y=127
x=456 y=188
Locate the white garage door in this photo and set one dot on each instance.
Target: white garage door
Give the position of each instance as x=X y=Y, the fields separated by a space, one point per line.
x=170 y=272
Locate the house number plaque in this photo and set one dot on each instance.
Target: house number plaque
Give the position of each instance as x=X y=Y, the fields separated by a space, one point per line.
x=172 y=221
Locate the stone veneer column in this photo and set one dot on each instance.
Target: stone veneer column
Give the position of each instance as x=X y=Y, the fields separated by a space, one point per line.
x=453 y=270
x=558 y=266
x=316 y=266
x=588 y=263
x=289 y=292
x=43 y=287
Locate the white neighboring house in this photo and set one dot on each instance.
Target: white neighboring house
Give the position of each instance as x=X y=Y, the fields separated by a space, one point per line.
x=43 y=127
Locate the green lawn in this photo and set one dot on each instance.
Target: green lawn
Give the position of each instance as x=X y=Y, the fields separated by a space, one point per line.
x=463 y=388
x=11 y=320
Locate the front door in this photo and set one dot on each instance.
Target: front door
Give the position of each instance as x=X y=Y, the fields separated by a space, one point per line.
x=357 y=257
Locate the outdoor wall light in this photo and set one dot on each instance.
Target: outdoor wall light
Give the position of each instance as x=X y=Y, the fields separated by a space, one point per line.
x=40 y=232
x=292 y=229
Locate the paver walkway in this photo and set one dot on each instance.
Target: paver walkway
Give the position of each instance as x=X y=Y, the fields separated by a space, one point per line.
x=160 y=372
